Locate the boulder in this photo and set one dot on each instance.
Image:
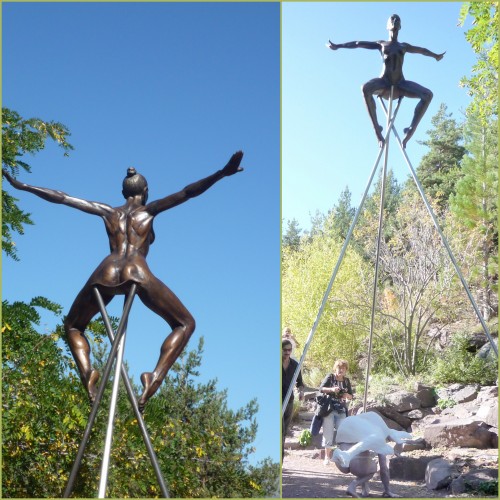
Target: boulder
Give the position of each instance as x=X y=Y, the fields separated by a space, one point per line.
x=478 y=477
x=468 y=393
x=457 y=486
x=488 y=412
x=466 y=433
x=408 y=468
x=403 y=401
x=415 y=444
x=426 y=395
x=487 y=392
x=486 y=351
x=391 y=413
x=414 y=414
x=438 y=474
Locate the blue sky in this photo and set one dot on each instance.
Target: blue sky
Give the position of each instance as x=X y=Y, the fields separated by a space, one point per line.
x=174 y=90
x=328 y=139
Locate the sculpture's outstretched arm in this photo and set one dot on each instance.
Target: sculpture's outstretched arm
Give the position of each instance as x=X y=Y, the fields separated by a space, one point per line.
x=353 y=45
x=91 y=207
x=425 y=52
x=196 y=188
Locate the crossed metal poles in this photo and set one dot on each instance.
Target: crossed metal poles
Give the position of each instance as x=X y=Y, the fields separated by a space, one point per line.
x=118 y=343
x=390 y=126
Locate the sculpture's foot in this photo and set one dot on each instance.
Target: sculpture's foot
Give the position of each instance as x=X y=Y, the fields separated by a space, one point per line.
x=389 y=494
x=408 y=133
x=380 y=137
x=351 y=490
x=341 y=458
x=147 y=379
x=91 y=385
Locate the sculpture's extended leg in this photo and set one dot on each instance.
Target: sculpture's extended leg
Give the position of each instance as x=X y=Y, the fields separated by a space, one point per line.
x=161 y=300
x=369 y=89
x=385 y=477
x=84 y=308
x=414 y=90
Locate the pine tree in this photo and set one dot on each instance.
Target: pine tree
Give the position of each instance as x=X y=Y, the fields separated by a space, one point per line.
x=440 y=168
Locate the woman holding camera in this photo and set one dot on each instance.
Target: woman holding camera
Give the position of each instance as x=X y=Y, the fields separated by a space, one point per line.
x=338 y=386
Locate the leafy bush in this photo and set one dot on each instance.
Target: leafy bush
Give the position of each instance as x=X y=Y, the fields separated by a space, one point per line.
x=305 y=438
x=458 y=365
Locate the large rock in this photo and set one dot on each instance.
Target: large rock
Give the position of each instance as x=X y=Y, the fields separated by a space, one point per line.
x=487 y=392
x=403 y=401
x=426 y=394
x=480 y=476
x=468 y=393
x=488 y=412
x=466 y=433
x=438 y=474
x=414 y=444
x=408 y=468
x=392 y=414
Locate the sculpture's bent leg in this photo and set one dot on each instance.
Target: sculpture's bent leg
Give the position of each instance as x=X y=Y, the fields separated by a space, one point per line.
x=385 y=477
x=160 y=299
x=369 y=89
x=414 y=90
x=84 y=308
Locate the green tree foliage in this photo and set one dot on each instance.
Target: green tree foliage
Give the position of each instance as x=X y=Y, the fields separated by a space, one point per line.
x=416 y=284
x=20 y=136
x=483 y=37
x=41 y=413
x=305 y=276
x=367 y=226
x=202 y=446
x=342 y=214
x=475 y=205
x=459 y=365
x=439 y=169
x=291 y=237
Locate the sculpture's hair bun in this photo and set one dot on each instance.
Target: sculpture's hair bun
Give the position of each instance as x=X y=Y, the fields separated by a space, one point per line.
x=131 y=171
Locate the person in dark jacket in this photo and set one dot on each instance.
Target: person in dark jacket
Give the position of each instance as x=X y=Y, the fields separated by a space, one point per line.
x=288 y=368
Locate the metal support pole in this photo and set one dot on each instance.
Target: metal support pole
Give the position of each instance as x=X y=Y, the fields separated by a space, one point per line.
x=377 y=252
x=100 y=392
x=111 y=417
x=133 y=402
x=337 y=266
x=445 y=241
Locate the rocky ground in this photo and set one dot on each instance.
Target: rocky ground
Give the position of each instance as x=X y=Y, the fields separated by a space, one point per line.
x=473 y=469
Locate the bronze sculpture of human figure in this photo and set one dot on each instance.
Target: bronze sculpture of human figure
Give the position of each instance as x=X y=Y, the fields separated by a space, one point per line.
x=130 y=232
x=393 y=53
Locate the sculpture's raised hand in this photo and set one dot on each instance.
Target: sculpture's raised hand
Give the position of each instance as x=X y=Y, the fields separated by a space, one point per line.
x=331 y=45
x=233 y=165
x=440 y=56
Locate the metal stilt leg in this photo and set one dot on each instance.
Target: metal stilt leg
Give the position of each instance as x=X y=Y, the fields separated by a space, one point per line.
x=390 y=127
x=377 y=253
x=444 y=240
x=116 y=352
x=339 y=262
x=133 y=402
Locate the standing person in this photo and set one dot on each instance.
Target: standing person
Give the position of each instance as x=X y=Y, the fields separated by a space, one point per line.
x=339 y=387
x=287 y=335
x=288 y=368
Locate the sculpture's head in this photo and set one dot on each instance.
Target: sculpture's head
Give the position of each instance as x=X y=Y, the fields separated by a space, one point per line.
x=135 y=184
x=394 y=23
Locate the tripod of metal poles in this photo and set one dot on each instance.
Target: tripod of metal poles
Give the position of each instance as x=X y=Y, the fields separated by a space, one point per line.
x=118 y=344
x=385 y=149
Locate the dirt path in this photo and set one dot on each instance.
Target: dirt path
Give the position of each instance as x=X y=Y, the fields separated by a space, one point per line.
x=305 y=476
